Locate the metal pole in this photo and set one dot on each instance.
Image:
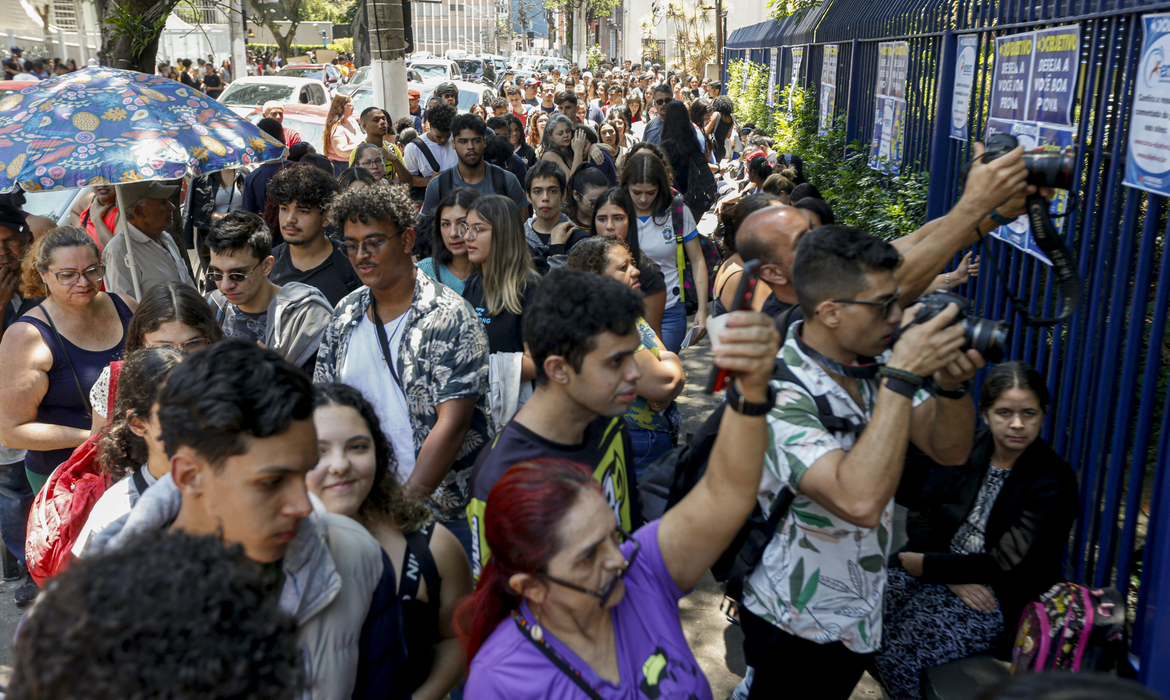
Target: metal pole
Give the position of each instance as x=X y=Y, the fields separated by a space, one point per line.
x=940 y=150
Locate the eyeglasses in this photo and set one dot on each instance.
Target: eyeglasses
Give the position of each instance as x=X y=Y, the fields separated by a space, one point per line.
x=237 y=277
x=662 y=101
x=370 y=246
x=372 y=163
x=884 y=305
x=470 y=233
x=605 y=594
x=68 y=278
x=186 y=347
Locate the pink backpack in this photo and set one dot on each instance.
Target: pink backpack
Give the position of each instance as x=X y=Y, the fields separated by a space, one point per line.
x=1071 y=628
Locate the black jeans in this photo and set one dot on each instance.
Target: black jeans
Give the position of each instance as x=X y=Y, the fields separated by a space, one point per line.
x=790 y=667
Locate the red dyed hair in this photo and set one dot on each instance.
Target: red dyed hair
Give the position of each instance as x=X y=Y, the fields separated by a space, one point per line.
x=524 y=512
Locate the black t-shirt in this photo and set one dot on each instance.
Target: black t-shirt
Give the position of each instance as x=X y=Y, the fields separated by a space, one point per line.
x=505 y=330
x=527 y=154
x=335 y=277
x=606 y=450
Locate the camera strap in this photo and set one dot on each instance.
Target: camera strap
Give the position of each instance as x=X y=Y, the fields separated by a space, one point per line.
x=1050 y=242
x=868 y=369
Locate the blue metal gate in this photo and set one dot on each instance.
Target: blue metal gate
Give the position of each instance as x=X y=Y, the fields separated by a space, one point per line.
x=1108 y=365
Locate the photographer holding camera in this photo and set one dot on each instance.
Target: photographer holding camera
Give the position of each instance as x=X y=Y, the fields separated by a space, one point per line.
x=812 y=608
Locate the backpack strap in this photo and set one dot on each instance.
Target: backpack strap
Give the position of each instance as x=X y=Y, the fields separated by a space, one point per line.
x=115 y=372
x=832 y=423
x=418 y=552
x=676 y=221
x=431 y=160
x=446 y=182
x=499 y=180
x=140 y=480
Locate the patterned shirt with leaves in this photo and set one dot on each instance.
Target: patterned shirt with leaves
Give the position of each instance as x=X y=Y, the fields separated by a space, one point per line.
x=821 y=578
x=443 y=356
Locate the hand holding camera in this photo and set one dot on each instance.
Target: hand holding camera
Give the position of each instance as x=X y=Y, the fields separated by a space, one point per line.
x=925 y=346
x=993 y=182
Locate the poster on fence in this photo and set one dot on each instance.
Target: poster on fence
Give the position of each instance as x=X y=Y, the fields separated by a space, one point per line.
x=1032 y=95
x=890 y=107
x=1147 y=161
x=828 y=94
x=772 y=77
x=797 y=58
x=964 y=78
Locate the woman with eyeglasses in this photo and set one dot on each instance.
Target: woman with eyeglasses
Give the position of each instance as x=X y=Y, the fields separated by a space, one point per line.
x=371 y=158
x=570 y=606
x=53 y=354
x=499 y=291
x=170 y=315
x=449 y=264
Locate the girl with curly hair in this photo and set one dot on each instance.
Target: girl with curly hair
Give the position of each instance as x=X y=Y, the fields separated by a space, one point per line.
x=355 y=476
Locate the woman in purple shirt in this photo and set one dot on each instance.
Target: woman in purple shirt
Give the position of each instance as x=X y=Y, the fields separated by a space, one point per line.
x=568 y=605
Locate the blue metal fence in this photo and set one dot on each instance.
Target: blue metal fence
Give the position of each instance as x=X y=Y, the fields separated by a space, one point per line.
x=1107 y=366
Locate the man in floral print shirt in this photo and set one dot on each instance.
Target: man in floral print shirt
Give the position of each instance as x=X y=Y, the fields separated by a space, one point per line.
x=812 y=608
x=430 y=400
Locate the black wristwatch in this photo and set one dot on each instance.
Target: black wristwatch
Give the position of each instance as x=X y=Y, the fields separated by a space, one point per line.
x=956 y=394
x=745 y=408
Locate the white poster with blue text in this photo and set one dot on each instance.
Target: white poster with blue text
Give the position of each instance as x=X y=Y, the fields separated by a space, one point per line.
x=889 y=119
x=797 y=58
x=1147 y=162
x=772 y=78
x=964 y=79
x=828 y=92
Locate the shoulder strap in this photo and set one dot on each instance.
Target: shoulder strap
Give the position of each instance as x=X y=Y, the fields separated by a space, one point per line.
x=418 y=548
x=431 y=160
x=140 y=481
x=499 y=180
x=446 y=182
x=832 y=423
x=69 y=361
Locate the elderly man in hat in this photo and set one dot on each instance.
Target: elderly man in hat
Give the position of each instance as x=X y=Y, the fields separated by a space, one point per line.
x=157 y=258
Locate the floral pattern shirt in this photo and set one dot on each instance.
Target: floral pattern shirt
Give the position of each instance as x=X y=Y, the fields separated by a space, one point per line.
x=443 y=356
x=821 y=578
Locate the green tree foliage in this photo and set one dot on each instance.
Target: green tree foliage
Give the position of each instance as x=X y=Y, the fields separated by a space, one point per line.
x=889 y=206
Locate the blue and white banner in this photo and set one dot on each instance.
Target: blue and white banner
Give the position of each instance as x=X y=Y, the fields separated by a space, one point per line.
x=772 y=77
x=965 y=64
x=1054 y=75
x=1147 y=160
x=797 y=58
x=885 y=153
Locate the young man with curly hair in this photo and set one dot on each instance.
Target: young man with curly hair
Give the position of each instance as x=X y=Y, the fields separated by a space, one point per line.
x=236 y=422
x=302 y=194
x=214 y=630
x=415 y=347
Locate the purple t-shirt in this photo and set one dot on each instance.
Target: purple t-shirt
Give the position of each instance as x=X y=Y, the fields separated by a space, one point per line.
x=654 y=659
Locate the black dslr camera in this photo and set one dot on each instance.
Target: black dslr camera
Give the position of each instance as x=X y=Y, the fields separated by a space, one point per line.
x=1055 y=170
x=988 y=337
x=1044 y=169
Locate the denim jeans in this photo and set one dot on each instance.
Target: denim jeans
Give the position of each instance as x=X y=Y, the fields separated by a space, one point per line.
x=674 y=326
x=648 y=445
x=16 y=498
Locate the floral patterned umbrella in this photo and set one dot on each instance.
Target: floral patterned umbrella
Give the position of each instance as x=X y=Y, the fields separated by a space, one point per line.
x=102 y=125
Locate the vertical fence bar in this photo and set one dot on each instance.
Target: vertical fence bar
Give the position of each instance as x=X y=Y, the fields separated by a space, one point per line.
x=1154 y=598
x=853 y=109
x=938 y=194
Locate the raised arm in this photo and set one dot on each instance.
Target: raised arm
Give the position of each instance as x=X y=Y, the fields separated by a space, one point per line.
x=695 y=532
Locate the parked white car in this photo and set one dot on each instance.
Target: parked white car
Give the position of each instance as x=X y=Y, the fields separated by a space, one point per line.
x=437 y=70
x=247 y=93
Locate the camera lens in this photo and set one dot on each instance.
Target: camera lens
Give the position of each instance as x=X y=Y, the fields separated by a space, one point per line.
x=988 y=337
x=1051 y=169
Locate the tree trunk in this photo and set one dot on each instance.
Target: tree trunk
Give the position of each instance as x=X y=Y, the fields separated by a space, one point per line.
x=137 y=48
x=283 y=41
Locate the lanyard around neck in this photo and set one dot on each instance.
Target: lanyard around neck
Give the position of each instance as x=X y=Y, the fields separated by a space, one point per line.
x=384 y=342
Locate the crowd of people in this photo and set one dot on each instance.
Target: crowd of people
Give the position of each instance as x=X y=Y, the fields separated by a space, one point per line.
x=417 y=372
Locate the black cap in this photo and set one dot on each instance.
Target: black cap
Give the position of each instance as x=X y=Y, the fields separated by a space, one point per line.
x=445 y=88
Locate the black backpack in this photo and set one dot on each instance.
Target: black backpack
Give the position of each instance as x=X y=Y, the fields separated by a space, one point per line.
x=671 y=477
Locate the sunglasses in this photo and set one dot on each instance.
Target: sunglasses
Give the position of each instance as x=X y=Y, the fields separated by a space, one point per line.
x=660 y=102
x=884 y=305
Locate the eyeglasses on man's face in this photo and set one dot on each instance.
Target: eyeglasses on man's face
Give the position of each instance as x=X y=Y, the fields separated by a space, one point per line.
x=370 y=246
x=885 y=305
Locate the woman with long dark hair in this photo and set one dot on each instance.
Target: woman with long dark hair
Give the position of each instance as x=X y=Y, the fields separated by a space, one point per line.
x=984 y=538
x=585 y=187
x=683 y=143
x=614 y=217
x=130 y=452
x=646 y=178
x=449 y=264
x=355 y=476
